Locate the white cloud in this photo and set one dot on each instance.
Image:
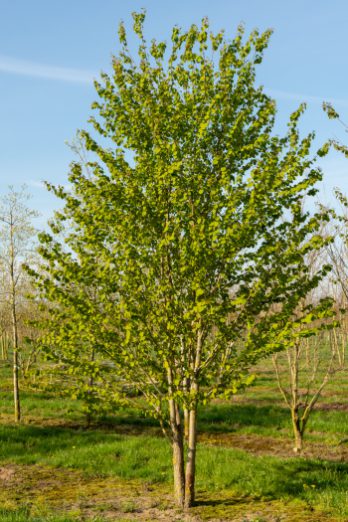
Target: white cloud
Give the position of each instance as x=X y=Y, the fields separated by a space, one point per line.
x=36 y=184
x=284 y=95
x=38 y=70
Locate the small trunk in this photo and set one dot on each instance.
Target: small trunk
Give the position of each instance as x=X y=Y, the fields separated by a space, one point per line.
x=88 y=419
x=89 y=393
x=178 y=453
x=298 y=434
x=186 y=411
x=186 y=423
x=191 y=459
x=17 y=408
x=178 y=470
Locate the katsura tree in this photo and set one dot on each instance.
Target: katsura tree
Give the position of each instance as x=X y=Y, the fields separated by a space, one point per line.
x=16 y=248
x=189 y=224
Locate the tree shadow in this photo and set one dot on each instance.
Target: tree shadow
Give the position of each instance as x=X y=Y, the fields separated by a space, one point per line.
x=231 y=417
x=25 y=441
x=292 y=476
x=212 y=418
x=290 y=480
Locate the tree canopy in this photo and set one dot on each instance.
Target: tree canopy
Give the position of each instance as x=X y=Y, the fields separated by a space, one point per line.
x=188 y=223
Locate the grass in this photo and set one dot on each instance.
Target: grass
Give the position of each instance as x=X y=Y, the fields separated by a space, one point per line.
x=52 y=452
x=147 y=459
x=235 y=417
x=23 y=515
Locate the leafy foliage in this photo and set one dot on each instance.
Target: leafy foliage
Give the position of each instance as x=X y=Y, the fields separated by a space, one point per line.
x=180 y=252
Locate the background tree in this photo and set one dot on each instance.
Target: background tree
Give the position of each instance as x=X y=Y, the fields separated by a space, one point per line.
x=314 y=354
x=190 y=225
x=16 y=247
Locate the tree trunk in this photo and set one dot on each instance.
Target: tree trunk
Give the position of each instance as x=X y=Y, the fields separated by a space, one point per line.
x=191 y=459
x=186 y=424
x=178 y=471
x=178 y=453
x=298 y=434
x=90 y=383
x=186 y=411
x=17 y=408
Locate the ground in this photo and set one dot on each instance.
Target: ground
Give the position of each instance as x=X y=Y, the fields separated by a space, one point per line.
x=52 y=468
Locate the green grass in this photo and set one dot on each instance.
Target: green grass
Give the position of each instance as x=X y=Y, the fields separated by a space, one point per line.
x=272 y=421
x=125 y=446
x=243 y=418
x=23 y=515
x=96 y=453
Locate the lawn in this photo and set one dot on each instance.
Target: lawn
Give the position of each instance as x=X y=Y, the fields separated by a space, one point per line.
x=54 y=469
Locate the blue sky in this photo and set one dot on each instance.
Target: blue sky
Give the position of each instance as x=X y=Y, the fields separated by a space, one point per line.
x=50 y=52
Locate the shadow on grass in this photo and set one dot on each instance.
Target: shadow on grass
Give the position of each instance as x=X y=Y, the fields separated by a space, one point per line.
x=221 y=418
x=230 y=417
x=310 y=485
x=25 y=441
x=293 y=477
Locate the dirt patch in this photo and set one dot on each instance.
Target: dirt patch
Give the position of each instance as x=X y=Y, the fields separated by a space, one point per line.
x=334 y=406
x=279 y=447
x=6 y=473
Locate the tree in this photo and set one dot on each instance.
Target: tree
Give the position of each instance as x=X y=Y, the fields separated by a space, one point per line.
x=16 y=247
x=190 y=225
x=313 y=355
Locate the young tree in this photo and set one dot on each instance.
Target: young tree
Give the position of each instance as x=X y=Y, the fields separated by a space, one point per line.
x=16 y=246
x=190 y=225
x=313 y=355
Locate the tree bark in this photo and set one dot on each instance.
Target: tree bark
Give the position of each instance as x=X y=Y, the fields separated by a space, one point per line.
x=17 y=407
x=178 y=471
x=298 y=433
x=186 y=411
x=186 y=424
x=191 y=459
x=192 y=435
x=178 y=453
